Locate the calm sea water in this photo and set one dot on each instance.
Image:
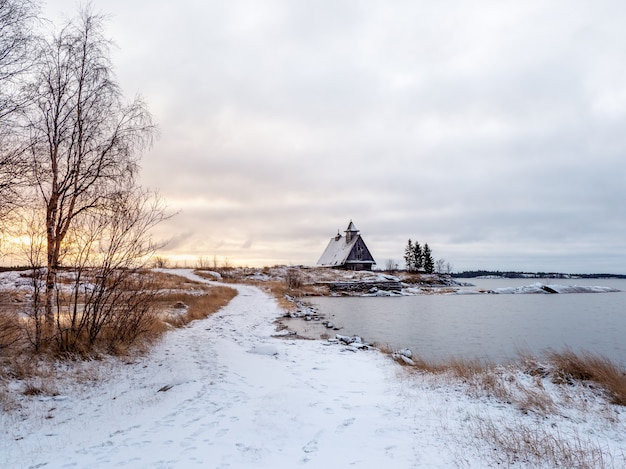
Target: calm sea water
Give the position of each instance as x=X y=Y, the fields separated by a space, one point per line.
x=490 y=327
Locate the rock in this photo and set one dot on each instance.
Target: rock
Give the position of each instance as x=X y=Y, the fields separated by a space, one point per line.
x=344 y=338
x=548 y=289
x=403 y=359
x=360 y=345
x=405 y=352
x=407 y=360
x=330 y=325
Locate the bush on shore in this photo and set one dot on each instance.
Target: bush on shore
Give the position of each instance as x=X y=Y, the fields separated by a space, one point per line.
x=135 y=313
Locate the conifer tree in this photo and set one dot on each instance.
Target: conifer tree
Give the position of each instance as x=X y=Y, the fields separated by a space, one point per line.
x=429 y=263
x=418 y=257
x=409 y=256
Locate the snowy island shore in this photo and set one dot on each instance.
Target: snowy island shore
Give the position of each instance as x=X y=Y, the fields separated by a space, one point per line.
x=226 y=392
x=320 y=281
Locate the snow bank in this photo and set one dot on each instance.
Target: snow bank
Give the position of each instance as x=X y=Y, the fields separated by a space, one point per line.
x=12 y=280
x=224 y=393
x=543 y=288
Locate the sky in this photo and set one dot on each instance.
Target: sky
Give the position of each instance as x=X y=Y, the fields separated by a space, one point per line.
x=494 y=131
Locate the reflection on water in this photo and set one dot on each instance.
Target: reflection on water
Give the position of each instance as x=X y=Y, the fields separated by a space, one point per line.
x=491 y=327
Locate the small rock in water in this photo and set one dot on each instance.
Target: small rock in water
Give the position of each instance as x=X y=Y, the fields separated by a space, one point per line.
x=330 y=325
x=405 y=352
x=407 y=360
x=344 y=338
x=404 y=359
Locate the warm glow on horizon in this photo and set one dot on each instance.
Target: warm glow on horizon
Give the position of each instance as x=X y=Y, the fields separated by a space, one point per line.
x=498 y=139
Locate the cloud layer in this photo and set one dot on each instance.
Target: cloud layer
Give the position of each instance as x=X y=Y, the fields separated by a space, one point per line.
x=492 y=130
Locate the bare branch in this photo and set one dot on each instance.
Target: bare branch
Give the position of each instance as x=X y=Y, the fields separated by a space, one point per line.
x=85 y=142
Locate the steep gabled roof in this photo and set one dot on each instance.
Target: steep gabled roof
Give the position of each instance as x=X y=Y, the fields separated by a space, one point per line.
x=349 y=249
x=337 y=251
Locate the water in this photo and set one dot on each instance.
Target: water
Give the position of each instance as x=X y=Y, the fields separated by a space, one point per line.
x=489 y=327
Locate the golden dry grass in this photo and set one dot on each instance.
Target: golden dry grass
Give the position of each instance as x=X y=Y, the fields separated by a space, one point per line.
x=568 y=366
x=167 y=281
x=10 y=327
x=180 y=309
x=165 y=290
x=529 y=395
x=532 y=445
x=525 y=442
x=39 y=374
x=279 y=291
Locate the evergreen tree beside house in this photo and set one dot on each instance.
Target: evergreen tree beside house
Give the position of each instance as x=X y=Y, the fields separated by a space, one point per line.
x=418 y=259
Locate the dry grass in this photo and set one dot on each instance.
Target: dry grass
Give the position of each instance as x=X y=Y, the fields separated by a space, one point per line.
x=522 y=384
x=180 y=309
x=11 y=332
x=277 y=288
x=573 y=381
x=280 y=291
x=299 y=281
x=19 y=362
x=534 y=398
x=568 y=367
x=25 y=374
x=535 y=446
x=166 y=281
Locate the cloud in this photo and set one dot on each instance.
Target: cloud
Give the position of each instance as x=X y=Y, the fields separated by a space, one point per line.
x=491 y=130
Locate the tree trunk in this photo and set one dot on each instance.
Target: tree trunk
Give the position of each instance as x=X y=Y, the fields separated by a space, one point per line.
x=52 y=267
x=51 y=280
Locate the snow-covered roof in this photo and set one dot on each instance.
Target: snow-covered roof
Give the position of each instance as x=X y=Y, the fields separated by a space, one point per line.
x=339 y=248
x=351 y=227
x=337 y=251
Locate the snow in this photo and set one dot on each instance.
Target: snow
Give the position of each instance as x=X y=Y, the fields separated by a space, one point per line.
x=337 y=251
x=548 y=289
x=226 y=393
x=13 y=280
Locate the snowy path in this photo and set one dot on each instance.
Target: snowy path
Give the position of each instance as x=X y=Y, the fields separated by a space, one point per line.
x=239 y=398
x=223 y=393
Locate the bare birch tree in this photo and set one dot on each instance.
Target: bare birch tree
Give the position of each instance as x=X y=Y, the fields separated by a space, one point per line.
x=85 y=141
x=17 y=56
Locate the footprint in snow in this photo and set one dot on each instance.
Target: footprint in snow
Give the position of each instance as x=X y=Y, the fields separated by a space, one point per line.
x=310 y=447
x=345 y=424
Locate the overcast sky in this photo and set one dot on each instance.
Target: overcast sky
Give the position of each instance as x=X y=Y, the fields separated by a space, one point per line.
x=493 y=130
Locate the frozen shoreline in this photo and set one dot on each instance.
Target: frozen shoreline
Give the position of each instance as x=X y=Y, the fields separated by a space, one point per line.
x=223 y=392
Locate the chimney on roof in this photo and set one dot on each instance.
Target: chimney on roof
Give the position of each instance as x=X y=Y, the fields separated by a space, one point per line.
x=351 y=232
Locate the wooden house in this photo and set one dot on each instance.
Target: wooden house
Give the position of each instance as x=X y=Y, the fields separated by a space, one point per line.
x=347 y=252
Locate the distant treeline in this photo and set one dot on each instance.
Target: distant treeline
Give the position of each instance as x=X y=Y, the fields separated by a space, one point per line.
x=497 y=273
x=14 y=268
